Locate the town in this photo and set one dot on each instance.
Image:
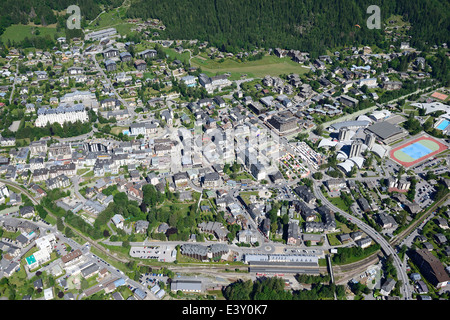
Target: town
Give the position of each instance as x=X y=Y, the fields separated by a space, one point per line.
x=128 y=163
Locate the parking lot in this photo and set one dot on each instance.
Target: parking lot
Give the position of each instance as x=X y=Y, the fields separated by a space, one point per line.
x=61 y=248
x=159 y=253
x=150 y=279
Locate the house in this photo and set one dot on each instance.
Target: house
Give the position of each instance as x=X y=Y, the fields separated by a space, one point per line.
x=149 y=53
x=344 y=237
x=90 y=270
x=442 y=223
x=440 y=238
x=118 y=220
x=421 y=287
x=211 y=180
x=364 y=242
x=312 y=238
x=140 y=64
x=386 y=221
x=363 y=204
x=27 y=212
x=180 y=179
x=293 y=234
x=110 y=65
x=356 y=235
x=387 y=286
x=110 y=52
x=125 y=56
x=305 y=194
x=141 y=226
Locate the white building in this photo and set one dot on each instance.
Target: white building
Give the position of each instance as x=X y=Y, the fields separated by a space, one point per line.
x=61 y=114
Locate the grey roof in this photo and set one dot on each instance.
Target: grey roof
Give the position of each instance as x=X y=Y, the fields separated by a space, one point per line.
x=186 y=285
x=61 y=109
x=384 y=129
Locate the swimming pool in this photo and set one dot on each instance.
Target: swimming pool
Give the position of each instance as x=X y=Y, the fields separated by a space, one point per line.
x=443 y=125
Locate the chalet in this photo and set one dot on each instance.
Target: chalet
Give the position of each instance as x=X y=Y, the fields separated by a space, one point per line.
x=125 y=56
x=149 y=53
x=110 y=52
x=140 y=65
x=110 y=65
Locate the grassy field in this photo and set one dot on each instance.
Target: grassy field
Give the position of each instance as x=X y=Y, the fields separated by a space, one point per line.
x=114 y=18
x=268 y=65
x=19 y=32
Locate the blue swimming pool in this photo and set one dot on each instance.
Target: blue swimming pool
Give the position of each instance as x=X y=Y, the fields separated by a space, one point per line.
x=443 y=125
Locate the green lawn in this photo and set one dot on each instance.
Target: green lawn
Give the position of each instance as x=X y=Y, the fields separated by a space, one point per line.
x=268 y=65
x=19 y=32
x=184 y=56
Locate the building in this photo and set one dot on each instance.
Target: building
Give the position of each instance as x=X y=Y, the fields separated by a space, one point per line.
x=211 y=180
x=386 y=132
x=364 y=242
x=213 y=83
x=201 y=252
x=61 y=114
x=386 y=221
x=369 y=141
x=335 y=184
x=387 y=286
x=293 y=234
x=349 y=101
x=118 y=221
x=110 y=53
x=110 y=65
x=283 y=123
x=355 y=148
x=98 y=35
x=125 y=56
x=140 y=65
x=186 y=285
x=392 y=85
x=305 y=194
x=258 y=170
x=344 y=134
x=146 y=54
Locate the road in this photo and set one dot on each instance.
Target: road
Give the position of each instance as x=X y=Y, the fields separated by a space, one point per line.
x=131 y=112
x=16 y=74
x=385 y=245
x=85 y=248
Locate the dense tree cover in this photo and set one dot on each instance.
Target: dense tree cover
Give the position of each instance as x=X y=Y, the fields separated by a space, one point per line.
x=44 y=12
x=344 y=253
x=67 y=130
x=273 y=289
x=309 y=25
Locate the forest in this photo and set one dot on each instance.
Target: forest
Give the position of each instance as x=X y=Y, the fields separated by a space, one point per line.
x=307 y=25
x=274 y=289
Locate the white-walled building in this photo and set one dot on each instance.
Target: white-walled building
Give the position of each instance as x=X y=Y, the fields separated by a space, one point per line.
x=61 y=114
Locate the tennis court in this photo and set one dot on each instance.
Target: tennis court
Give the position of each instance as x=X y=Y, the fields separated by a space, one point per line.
x=416 y=151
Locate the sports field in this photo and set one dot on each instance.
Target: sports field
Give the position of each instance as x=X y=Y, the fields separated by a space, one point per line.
x=417 y=150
